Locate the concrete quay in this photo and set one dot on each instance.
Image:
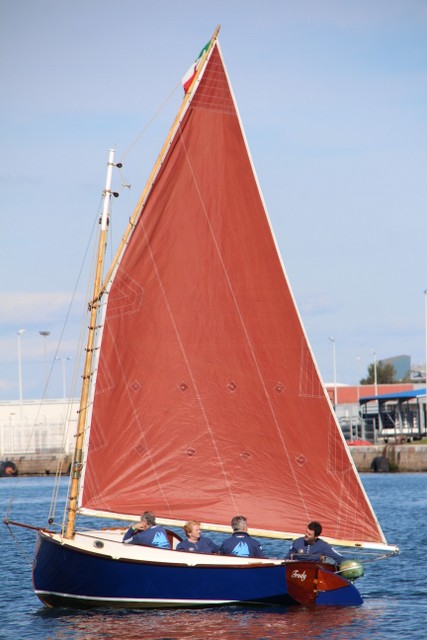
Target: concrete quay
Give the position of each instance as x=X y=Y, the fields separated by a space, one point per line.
x=40 y=464
x=400 y=457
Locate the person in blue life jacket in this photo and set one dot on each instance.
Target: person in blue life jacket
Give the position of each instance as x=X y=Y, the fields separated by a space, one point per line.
x=147 y=533
x=311 y=548
x=195 y=541
x=241 y=543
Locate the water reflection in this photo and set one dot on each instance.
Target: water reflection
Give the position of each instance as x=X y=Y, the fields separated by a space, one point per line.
x=227 y=622
x=395 y=590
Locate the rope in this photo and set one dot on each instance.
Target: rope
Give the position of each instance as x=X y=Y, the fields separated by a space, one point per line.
x=20 y=546
x=59 y=469
x=383 y=557
x=369 y=560
x=36 y=420
x=156 y=114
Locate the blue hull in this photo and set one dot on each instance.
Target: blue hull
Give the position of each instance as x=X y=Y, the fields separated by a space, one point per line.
x=68 y=577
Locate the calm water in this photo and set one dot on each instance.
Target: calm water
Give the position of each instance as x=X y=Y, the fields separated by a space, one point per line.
x=395 y=590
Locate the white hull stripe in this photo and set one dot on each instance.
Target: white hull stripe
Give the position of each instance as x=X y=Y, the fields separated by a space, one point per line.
x=148 y=600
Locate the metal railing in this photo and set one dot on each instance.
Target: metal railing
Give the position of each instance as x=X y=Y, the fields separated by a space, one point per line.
x=25 y=439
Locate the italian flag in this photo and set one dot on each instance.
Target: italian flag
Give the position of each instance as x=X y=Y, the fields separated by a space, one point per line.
x=189 y=76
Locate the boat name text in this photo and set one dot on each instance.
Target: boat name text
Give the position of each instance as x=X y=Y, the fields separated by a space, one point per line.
x=300 y=576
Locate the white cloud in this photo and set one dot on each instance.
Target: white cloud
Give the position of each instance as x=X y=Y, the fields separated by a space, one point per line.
x=33 y=306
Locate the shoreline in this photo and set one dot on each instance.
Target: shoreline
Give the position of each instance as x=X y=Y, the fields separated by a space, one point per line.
x=400 y=457
x=395 y=458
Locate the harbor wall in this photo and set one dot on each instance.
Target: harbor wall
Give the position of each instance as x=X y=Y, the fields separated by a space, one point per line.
x=403 y=458
x=32 y=437
x=40 y=465
x=400 y=457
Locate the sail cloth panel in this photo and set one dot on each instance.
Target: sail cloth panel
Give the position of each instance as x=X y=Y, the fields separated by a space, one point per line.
x=208 y=403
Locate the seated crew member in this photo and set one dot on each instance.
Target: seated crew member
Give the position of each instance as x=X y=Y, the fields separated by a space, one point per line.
x=195 y=541
x=147 y=533
x=311 y=548
x=241 y=543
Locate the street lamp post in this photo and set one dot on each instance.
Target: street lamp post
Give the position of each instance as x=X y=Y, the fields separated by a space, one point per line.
x=63 y=361
x=44 y=335
x=425 y=312
x=19 y=333
x=335 y=370
x=358 y=377
x=375 y=372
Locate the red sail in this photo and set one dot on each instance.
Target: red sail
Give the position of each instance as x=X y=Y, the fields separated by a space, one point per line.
x=208 y=403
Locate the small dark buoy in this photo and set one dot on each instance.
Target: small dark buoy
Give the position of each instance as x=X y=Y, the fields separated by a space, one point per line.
x=8 y=468
x=380 y=464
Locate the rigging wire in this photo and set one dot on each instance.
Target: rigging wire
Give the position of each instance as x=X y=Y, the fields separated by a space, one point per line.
x=79 y=277
x=150 y=122
x=25 y=555
x=83 y=328
x=59 y=469
x=124 y=183
x=44 y=396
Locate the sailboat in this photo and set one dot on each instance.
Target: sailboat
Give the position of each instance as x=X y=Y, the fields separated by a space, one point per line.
x=201 y=398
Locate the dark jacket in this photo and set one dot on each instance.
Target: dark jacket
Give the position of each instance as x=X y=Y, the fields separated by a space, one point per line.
x=243 y=545
x=203 y=545
x=154 y=536
x=313 y=552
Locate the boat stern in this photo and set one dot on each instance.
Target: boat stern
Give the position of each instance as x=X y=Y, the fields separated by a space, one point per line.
x=314 y=584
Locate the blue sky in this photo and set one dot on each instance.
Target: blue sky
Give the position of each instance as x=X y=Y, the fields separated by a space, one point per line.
x=333 y=98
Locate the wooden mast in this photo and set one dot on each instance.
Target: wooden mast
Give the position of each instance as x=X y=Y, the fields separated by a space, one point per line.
x=87 y=371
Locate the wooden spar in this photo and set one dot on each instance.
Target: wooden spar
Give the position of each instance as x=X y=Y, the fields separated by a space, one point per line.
x=99 y=289
x=390 y=549
x=87 y=371
x=25 y=526
x=158 y=162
